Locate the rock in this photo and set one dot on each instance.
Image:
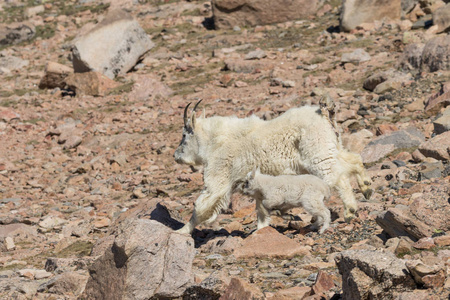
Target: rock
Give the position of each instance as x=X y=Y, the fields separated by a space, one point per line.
x=54 y=76
x=51 y=222
x=230 y=13
x=324 y=283
x=239 y=289
x=243 y=66
x=356 y=12
x=441 y=18
x=112 y=47
x=412 y=57
x=9 y=243
x=432 y=206
x=386 y=81
x=397 y=222
x=385 y=144
x=438 y=101
x=424 y=243
x=293 y=293
x=34 y=274
x=368 y=274
x=90 y=83
x=149 y=87
x=403 y=247
x=442 y=241
x=429 y=276
x=437 y=147
x=267 y=242
x=68 y=282
x=430 y=170
x=357 y=56
x=147 y=259
x=436 y=54
x=357 y=141
x=7 y=114
x=34 y=10
x=12 y=63
x=257 y=54
x=72 y=142
x=15 y=33
x=442 y=124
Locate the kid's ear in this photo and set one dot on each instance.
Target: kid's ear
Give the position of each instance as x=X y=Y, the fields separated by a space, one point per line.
x=252 y=175
x=258 y=170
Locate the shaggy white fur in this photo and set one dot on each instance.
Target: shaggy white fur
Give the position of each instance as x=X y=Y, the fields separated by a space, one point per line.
x=288 y=191
x=301 y=141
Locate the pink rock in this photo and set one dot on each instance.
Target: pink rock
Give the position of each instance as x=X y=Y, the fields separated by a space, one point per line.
x=8 y=114
x=293 y=293
x=442 y=241
x=437 y=147
x=323 y=284
x=267 y=242
x=424 y=243
x=239 y=289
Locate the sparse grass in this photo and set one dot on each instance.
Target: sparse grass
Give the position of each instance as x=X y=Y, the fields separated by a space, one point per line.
x=124 y=88
x=77 y=249
x=34 y=121
x=45 y=31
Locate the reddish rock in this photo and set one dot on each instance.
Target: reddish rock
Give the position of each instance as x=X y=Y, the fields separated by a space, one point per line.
x=437 y=147
x=293 y=293
x=54 y=76
x=90 y=83
x=323 y=284
x=239 y=289
x=267 y=242
x=7 y=114
x=437 y=101
x=442 y=241
x=424 y=243
x=434 y=281
x=386 y=128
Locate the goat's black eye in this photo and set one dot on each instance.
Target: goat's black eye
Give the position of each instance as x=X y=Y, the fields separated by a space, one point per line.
x=246 y=184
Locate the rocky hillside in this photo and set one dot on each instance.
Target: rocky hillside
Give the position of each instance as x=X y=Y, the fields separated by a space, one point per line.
x=91 y=106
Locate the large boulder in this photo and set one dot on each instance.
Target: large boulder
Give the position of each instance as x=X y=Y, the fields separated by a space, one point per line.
x=356 y=12
x=371 y=274
x=146 y=260
x=16 y=33
x=436 y=54
x=441 y=18
x=230 y=13
x=112 y=47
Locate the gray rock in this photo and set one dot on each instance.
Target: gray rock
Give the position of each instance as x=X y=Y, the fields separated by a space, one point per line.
x=230 y=13
x=356 y=12
x=69 y=282
x=436 y=54
x=431 y=170
x=442 y=124
x=112 y=47
x=257 y=54
x=372 y=274
x=441 y=18
x=400 y=222
x=16 y=33
x=359 y=55
x=147 y=259
x=13 y=63
x=412 y=57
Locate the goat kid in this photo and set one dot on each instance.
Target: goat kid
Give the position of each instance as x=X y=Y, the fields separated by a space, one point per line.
x=300 y=141
x=288 y=191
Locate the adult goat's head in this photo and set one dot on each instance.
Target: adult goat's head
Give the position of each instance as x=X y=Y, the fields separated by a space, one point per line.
x=188 y=150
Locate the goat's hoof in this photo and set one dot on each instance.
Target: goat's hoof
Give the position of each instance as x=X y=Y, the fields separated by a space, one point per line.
x=368 y=194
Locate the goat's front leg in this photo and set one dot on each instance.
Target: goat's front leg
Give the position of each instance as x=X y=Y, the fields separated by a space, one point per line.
x=207 y=207
x=263 y=215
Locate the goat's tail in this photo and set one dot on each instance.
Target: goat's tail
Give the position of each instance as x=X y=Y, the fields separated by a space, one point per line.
x=353 y=166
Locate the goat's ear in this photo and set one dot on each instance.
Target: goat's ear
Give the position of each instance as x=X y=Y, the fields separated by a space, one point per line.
x=258 y=170
x=252 y=175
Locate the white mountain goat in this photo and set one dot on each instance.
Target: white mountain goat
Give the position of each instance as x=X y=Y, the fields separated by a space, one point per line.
x=301 y=141
x=288 y=191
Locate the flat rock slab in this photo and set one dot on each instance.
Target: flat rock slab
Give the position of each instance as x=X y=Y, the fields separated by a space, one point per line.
x=399 y=222
x=147 y=259
x=372 y=274
x=356 y=12
x=230 y=13
x=268 y=242
x=112 y=47
x=437 y=147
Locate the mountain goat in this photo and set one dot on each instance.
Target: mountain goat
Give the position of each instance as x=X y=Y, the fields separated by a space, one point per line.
x=300 y=141
x=288 y=191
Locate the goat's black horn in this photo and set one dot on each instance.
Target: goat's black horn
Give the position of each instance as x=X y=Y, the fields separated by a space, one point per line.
x=195 y=107
x=185 y=118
